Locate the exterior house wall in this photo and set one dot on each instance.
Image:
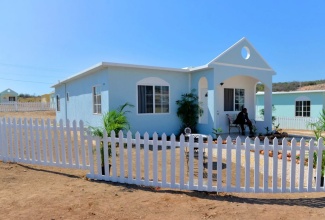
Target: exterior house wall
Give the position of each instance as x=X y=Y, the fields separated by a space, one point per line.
x=118 y=86
x=206 y=98
x=122 y=90
x=80 y=104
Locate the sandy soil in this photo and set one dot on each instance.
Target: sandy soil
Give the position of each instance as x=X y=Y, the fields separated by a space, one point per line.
x=38 y=192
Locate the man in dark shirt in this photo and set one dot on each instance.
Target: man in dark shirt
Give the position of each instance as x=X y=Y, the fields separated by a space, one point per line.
x=242 y=119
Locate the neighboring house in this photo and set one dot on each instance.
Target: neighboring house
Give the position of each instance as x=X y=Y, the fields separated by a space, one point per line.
x=8 y=95
x=52 y=100
x=301 y=106
x=49 y=98
x=224 y=85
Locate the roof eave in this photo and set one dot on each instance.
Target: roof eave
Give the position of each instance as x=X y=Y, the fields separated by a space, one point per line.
x=103 y=65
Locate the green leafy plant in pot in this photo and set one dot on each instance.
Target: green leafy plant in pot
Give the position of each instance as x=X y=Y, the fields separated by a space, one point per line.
x=216 y=132
x=189 y=111
x=114 y=120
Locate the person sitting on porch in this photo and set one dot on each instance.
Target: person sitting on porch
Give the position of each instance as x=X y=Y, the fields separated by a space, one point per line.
x=242 y=119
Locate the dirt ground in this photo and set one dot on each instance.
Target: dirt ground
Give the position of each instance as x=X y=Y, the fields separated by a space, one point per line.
x=38 y=192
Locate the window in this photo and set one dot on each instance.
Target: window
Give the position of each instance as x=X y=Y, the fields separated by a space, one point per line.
x=67 y=97
x=97 y=100
x=57 y=103
x=234 y=99
x=12 y=99
x=153 y=99
x=303 y=108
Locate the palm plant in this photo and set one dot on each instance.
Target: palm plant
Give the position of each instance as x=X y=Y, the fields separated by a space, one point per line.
x=114 y=120
x=318 y=128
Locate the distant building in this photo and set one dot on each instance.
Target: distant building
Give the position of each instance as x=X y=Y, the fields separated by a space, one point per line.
x=296 y=104
x=8 y=95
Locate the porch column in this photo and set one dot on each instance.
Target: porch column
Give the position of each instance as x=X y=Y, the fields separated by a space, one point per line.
x=268 y=107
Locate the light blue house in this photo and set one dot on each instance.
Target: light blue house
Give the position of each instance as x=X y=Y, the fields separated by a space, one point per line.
x=294 y=106
x=8 y=95
x=224 y=85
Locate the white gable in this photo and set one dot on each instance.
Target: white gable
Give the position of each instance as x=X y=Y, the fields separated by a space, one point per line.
x=242 y=54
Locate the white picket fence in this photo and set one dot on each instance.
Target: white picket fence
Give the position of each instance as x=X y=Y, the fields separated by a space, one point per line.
x=25 y=106
x=162 y=162
x=44 y=143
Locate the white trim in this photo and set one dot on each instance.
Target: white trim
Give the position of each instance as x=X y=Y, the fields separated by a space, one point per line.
x=92 y=97
x=152 y=81
x=104 y=65
x=108 y=64
x=199 y=68
x=241 y=66
x=283 y=93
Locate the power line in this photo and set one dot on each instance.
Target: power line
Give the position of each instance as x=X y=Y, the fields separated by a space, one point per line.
x=33 y=67
x=25 y=81
x=31 y=75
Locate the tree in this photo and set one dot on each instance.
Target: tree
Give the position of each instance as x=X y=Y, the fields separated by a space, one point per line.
x=189 y=111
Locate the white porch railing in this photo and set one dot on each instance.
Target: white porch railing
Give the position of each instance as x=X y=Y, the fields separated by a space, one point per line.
x=298 y=123
x=25 y=106
x=162 y=162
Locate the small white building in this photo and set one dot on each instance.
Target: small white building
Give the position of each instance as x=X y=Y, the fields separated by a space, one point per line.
x=8 y=95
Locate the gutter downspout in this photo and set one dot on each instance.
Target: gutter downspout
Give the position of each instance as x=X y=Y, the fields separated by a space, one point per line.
x=65 y=103
x=190 y=81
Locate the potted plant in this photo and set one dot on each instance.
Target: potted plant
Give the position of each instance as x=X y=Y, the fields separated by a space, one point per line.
x=254 y=129
x=216 y=132
x=189 y=111
x=114 y=120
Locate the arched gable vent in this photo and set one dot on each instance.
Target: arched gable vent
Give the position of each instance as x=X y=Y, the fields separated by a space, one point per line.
x=153 y=81
x=302 y=98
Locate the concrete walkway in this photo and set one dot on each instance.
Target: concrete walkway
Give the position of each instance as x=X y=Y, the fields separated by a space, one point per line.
x=297 y=134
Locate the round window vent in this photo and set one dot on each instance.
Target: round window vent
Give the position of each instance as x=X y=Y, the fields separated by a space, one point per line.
x=245 y=53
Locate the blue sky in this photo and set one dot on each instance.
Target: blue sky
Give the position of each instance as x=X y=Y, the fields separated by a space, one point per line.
x=42 y=42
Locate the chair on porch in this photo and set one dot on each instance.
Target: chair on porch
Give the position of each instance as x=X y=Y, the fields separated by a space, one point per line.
x=231 y=119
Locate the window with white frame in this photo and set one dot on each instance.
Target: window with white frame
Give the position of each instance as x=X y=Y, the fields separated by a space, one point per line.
x=302 y=108
x=153 y=99
x=97 y=100
x=234 y=99
x=57 y=103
